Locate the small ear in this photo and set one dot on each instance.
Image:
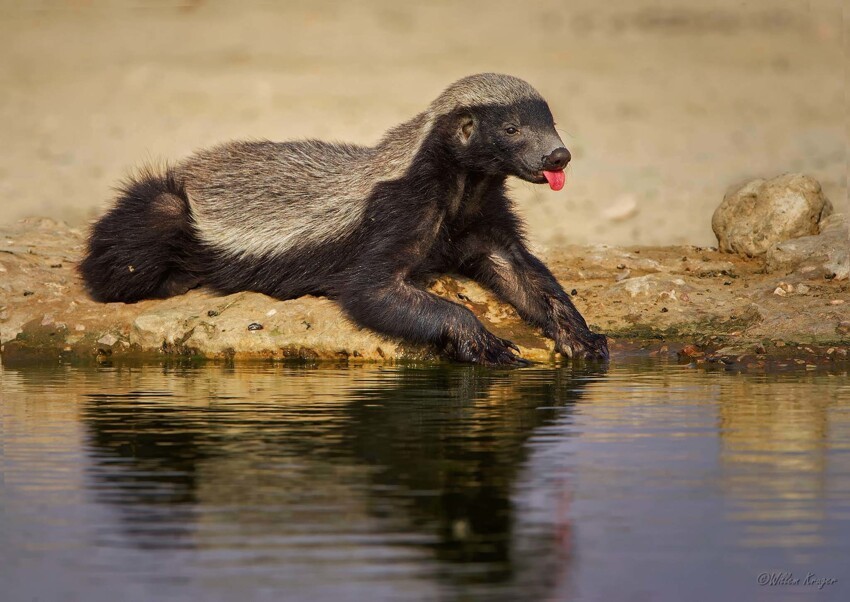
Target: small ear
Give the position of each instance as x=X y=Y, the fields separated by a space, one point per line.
x=467 y=127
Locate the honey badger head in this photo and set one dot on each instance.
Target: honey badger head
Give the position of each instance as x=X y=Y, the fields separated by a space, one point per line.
x=500 y=125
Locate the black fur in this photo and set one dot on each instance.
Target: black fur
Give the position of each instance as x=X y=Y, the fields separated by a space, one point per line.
x=447 y=213
x=140 y=248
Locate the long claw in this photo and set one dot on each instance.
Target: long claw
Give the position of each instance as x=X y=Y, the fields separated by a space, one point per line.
x=511 y=345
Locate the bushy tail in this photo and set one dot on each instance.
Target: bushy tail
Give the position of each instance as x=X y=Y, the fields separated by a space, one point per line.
x=138 y=250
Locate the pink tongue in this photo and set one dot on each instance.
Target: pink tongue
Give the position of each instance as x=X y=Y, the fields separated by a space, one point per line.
x=555 y=178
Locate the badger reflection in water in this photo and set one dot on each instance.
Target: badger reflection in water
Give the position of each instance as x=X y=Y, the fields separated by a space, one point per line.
x=430 y=459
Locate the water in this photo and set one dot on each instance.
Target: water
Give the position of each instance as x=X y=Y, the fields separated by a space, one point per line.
x=643 y=481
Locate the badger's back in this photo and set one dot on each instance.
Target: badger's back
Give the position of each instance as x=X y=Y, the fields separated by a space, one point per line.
x=265 y=198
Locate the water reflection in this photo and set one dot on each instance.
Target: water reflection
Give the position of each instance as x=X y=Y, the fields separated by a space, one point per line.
x=431 y=454
x=268 y=482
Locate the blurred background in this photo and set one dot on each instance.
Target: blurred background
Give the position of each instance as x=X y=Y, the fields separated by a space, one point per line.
x=664 y=104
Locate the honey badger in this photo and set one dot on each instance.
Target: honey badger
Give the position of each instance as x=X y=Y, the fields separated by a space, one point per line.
x=363 y=225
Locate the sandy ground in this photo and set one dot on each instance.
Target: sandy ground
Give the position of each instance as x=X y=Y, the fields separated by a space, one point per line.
x=664 y=104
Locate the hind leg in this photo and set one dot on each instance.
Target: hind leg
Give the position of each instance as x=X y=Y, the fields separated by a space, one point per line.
x=178 y=283
x=138 y=249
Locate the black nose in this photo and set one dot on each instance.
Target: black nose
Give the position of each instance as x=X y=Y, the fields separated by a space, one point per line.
x=557 y=159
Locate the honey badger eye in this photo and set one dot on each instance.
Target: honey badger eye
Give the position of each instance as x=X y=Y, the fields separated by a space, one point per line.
x=511 y=130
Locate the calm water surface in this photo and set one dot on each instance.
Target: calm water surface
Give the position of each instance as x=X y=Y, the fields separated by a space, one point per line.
x=642 y=481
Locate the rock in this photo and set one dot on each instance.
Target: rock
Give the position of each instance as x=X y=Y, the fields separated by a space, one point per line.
x=108 y=340
x=764 y=213
x=825 y=255
x=690 y=351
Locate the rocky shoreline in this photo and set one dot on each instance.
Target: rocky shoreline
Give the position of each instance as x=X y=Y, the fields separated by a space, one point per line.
x=697 y=304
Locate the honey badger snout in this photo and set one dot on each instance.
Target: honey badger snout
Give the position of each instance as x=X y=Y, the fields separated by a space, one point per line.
x=557 y=159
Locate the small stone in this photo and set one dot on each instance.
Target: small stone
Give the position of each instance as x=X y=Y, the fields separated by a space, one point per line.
x=837 y=302
x=843 y=327
x=691 y=351
x=80 y=327
x=255 y=326
x=664 y=310
x=131 y=269
x=55 y=265
x=830 y=351
x=108 y=339
x=802 y=289
x=271 y=312
x=574 y=292
x=212 y=313
x=779 y=291
x=621 y=266
x=28 y=293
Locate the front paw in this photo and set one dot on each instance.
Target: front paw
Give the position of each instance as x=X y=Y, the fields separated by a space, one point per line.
x=486 y=349
x=583 y=344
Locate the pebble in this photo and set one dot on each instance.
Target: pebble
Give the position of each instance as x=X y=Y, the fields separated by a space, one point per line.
x=255 y=326
x=691 y=351
x=108 y=339
x=271 y=312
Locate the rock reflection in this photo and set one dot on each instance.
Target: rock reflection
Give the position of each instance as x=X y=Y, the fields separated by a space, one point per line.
x=779 y=439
